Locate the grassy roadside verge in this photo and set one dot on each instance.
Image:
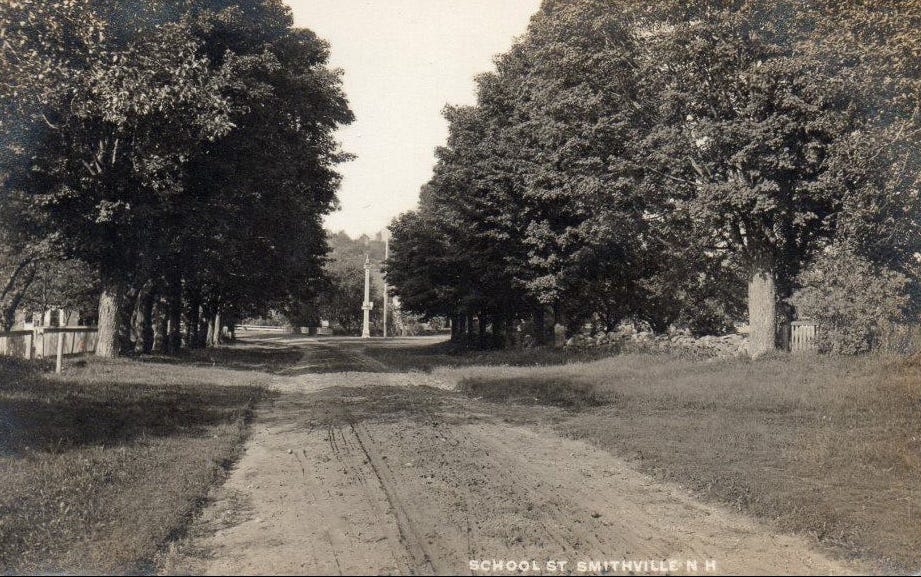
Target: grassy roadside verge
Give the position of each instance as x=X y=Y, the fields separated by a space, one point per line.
x=827 y=447
x=429 y=353
x=104 y=464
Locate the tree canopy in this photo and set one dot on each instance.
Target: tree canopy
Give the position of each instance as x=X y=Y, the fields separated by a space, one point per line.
x=184 y=149
x=652 y=160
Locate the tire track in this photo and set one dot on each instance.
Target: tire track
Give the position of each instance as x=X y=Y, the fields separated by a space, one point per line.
x=408 y=533
x=374 y=493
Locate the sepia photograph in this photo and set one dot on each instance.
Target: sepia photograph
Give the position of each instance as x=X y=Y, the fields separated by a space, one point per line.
x=460 y=287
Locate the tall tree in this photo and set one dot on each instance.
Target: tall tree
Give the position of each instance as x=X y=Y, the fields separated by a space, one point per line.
x=261 y=192
x=142 y=107
x=421 y=269
x=640 y=158
x=574 y=119
x=134 y=98
x=743 y=126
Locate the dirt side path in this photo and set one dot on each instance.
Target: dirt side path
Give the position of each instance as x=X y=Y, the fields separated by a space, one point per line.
x=348 y=472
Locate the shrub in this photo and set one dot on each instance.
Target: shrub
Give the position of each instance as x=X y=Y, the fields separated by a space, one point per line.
x=851 y=299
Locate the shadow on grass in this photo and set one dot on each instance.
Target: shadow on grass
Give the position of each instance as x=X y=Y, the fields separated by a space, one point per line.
x=56 y=415
x=553 y=392
x=294 y=355
x=105 y=464
x=239 y=357
x=404 y=355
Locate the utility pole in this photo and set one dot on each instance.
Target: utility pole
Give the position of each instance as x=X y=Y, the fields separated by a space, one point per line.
x=386 y=288
x=367 y=305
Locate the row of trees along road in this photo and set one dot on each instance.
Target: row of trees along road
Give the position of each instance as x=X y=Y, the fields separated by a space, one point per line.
x=182 y=149
x=668 y=161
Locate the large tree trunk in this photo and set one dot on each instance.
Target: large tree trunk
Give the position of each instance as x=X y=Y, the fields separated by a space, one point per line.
x=111 y=315
x=461 y=327
x=540 y=330
x=147 y=325
x=193 y=318
x=174 y=300
x=498 y=330
x=559 y=325
x=209 y=330
x=174 y=340
x=214 y=330
x=204 y=327
x=160 y=316
x=143 y=320
x=509 y=340
x=762 y=311
x=126 y=324
x=218 y=328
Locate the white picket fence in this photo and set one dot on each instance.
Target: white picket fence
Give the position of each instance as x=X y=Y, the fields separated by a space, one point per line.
x=802 y=337
x=43 y=342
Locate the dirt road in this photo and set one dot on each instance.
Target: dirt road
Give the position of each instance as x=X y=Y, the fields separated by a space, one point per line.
x=355 y=468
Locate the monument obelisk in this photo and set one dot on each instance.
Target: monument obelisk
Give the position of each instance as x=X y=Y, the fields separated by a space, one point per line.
x=367 y=305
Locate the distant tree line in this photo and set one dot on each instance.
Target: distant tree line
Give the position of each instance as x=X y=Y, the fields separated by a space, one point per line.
x=182 y=150
x=676 y=162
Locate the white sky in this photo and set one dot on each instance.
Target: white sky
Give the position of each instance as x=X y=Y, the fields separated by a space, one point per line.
x=403 y=61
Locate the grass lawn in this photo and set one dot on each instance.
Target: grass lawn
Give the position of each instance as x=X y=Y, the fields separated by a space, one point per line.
x=104 y=464
x=824 y=446
x=429 y=353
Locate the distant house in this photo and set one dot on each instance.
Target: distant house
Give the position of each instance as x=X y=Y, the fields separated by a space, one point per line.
x=49 y=318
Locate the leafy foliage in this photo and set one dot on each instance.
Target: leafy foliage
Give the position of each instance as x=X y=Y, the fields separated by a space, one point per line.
x=182 y=148
x=647 y=160
x=852 y=299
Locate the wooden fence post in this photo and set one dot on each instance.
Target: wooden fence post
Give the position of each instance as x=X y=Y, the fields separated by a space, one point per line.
x=59 y=365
